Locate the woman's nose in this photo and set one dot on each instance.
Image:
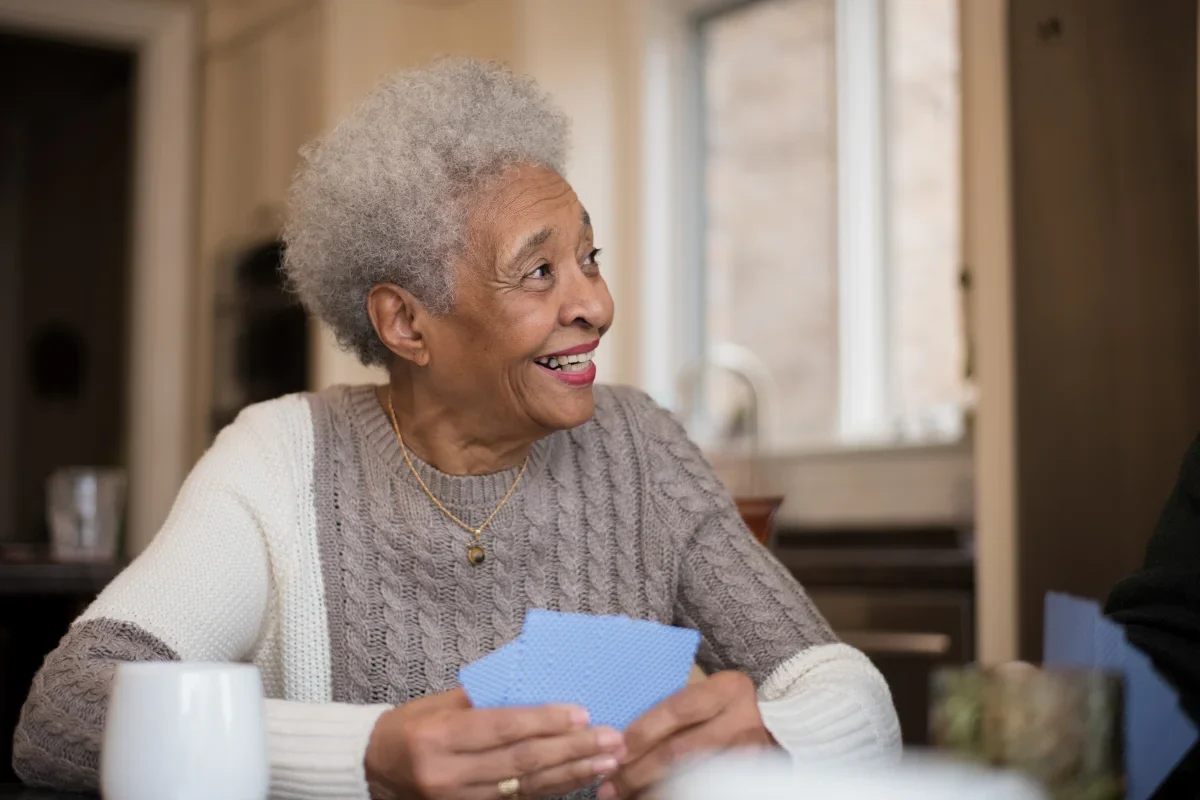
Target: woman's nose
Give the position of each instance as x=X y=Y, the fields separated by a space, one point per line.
x=587 y=302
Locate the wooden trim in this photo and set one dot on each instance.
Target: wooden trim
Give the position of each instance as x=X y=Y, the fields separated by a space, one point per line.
x=897 y=643
x=987 y=244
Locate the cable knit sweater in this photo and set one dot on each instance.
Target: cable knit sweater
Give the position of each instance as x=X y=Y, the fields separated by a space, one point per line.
x=301 y=543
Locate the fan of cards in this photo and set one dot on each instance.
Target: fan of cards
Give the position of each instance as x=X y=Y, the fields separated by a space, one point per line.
x=616 y=667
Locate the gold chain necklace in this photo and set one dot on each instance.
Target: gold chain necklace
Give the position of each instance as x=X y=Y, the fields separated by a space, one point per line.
x=475 y=552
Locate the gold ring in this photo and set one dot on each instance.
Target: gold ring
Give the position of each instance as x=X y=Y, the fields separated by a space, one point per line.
x=510 y=787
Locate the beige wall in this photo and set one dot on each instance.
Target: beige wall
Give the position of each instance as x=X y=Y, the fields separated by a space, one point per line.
x=263 y=98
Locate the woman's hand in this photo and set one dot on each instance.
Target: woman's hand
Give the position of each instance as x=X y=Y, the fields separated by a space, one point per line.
x=440 y=748
x=720 y=713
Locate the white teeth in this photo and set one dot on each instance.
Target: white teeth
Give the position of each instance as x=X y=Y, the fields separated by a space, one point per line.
x=573 y=363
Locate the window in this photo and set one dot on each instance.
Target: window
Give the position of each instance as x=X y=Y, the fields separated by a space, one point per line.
x=827 y=254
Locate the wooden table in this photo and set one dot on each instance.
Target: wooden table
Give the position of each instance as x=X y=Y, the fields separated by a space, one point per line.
x=905 y=597
x=17 y=792
x=47 y=578
x=38 y=601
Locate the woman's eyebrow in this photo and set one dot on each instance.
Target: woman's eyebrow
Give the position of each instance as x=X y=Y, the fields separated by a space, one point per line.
x=533 y=242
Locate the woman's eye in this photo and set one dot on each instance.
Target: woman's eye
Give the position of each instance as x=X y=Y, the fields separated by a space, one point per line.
x=591 y=261
x=542 y=271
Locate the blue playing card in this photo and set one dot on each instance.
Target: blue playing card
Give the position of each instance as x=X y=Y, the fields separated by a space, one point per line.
x=641 y=664
x=556 y=655
x=1157 y=732
x=615 y=667
x=1109 y=646
x=488 y=680
x=1069 y=631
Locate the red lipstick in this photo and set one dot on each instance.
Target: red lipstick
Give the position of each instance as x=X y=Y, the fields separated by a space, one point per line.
x=574 y=351
x=581 y=378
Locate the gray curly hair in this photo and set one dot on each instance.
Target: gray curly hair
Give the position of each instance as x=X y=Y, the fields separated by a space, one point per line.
x=383 y=196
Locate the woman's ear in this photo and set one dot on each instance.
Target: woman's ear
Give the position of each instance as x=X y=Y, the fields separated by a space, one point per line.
x=399 y=318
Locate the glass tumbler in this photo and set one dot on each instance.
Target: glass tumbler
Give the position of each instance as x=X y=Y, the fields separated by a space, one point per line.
x=85 y=507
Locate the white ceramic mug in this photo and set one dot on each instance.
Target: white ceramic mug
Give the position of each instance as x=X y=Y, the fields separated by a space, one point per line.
x=185 y=731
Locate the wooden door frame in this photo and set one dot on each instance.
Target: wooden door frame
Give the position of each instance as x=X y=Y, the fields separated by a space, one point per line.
x=163 y=37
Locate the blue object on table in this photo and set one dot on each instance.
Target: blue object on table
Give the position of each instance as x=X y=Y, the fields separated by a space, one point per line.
x=1158 y=733
x=616 y=667
x=1070 y=633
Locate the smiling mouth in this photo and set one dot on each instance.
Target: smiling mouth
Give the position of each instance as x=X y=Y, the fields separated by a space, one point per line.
x=573 y=363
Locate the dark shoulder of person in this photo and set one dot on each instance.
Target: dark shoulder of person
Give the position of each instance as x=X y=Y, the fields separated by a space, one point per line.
x=1159 y=606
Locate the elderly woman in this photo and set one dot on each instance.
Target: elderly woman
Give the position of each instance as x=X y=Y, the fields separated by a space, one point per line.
x=361 y=544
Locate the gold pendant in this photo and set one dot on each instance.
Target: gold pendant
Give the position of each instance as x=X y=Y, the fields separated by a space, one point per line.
x=475 y=554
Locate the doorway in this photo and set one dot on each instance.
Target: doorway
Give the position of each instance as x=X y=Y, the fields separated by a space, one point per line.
x=67 y=122
x=164 y=37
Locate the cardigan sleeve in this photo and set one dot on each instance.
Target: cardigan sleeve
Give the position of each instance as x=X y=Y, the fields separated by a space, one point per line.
x=819 y=698
x=1159 y=605
x=202 y=591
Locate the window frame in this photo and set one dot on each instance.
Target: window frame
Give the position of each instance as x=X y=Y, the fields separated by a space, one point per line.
x=674 y=139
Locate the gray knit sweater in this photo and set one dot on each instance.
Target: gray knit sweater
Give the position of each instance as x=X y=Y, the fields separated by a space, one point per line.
x=302 y=543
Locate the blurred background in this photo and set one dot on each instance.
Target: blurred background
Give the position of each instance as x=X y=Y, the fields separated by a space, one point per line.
x=928 y=270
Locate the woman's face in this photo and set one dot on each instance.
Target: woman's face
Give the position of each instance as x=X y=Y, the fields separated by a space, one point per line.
x=530 y=307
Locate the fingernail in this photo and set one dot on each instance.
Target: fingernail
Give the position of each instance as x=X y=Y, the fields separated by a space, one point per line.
x=606 y=792
x=579 y=717
x=604 y=765
x=608 y=739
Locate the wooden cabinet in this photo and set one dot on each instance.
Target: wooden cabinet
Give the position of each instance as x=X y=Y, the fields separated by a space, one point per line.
x=1080 y=231
x=904 y=598
x=1106 y=285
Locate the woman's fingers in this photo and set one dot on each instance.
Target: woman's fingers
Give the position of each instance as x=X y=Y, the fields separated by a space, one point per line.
x=720 y=713
x=690 y=706
x=636 y=776
x=547 y=760
x=491 y=728
x=567 y=778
